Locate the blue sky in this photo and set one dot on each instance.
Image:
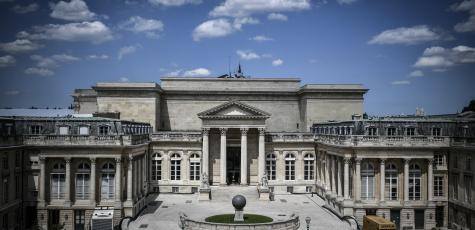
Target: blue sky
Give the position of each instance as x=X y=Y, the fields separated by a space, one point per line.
x=408 y=53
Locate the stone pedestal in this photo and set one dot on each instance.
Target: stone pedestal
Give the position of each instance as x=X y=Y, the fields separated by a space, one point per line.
x=239 y=215
x=205 y=194
x=264 y=194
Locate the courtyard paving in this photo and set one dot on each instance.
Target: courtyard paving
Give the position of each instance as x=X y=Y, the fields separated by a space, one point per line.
x=164 y=209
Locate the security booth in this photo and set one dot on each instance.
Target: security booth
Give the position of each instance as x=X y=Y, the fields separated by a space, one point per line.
x=371 y=222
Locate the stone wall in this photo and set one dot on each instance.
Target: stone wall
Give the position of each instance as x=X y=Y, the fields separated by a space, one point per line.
x=291 y=224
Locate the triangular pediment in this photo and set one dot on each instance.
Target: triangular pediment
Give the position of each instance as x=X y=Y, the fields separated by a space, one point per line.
x=233 y=110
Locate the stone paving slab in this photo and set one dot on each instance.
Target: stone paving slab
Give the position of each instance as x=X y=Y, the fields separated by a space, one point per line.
x=164 y=210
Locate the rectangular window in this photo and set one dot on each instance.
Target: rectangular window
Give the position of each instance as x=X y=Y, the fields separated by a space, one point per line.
x=195 y=170
x=290 y=189
x=57 y=186
x=289 y=170
x=5 y=190
x=156 y=169
x=309 y=169
x=436 y=132
x=63 y=130
x=468 y=188
x=175 y=189
x=83 y=130
x=438 y=159
x=107 y=186
x=82 y=186
x=103 y=130
x=308 y=189
x=438 y=186
x=79 y=219
x=36 y=129
x=392 y=131
x=372 y=131
x=410 y=131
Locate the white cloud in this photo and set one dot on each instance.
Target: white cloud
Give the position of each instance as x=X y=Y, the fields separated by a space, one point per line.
x=173 y=2
x=75 y=10
x=199 y=72
x=53 y=60
x=212 y=29
x=175 y=73
x=261 y=38
x=347 y=2
x=25 y=9
x=19 y=45
x=416 y=73
x=98 y=56
x=123 y=79
x=247 y=55
x=95 y=32
x=11 y=92
x=469 y=25
x=277 y=62
x=440 y=58
x=126 y=50
x=276 y=16
x=7 y=60
x=238 y=22
x=245 y=8
x=406 y=35
x=137 y=24
x=403 y=82
x=39 y=71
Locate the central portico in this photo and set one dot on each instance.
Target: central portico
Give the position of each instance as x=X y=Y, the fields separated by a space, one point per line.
x=234 y=121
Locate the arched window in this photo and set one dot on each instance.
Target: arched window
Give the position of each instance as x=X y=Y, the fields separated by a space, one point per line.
x=107 y=181
x=195 y=167
x=309 y=167
x=156 y=166
x=367 y=181
x=82 y=181
x=58 y=179
x=414 y=182
x=289 y=166
x=270 y=166
x=391 y=182
x=175 y=167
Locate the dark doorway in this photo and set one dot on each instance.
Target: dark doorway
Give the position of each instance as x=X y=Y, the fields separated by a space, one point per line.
x=419 y=219
x=439 y=216
x=396 y=217
x=233 y=165
x=53 y=218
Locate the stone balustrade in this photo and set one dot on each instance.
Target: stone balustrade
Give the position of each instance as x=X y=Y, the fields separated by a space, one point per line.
x=85 y=139
x=396 y=141
x=291 y=224
x=177 y=136
x=289 y=137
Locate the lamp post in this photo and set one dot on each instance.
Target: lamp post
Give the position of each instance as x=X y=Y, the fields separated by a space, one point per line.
x=307 y=220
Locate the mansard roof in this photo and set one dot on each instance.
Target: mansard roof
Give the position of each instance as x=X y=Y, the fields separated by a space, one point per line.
x=233 y=110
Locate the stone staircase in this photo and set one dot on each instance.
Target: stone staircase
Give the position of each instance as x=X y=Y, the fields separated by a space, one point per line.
x=226 y=193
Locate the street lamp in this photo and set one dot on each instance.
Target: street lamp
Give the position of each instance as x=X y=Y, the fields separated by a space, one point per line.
x=307 y=220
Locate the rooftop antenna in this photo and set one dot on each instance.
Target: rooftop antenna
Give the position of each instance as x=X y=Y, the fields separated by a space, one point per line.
x=229 y=66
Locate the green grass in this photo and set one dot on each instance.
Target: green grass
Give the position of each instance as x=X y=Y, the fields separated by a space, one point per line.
x=248 y=219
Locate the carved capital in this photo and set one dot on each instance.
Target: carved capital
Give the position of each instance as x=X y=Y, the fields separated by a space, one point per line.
x=223 y=131
x=244 y=131
x=430 y=161
x=67 y=160
x=93 y=160
x=358 y=160
x=382 y=161
x=407 y=161
x=42 y=159
x=130 y=157
x=347 y=160
x=205 y=131
x=118 y=160
x=262 y=131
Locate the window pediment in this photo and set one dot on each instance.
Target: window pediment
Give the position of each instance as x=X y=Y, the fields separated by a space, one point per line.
x=233 y=110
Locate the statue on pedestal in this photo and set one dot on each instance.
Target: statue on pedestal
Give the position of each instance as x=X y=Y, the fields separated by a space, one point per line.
x=204 y=181
x=264 y=181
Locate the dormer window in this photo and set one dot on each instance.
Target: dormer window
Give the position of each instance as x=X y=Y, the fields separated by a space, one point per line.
x=391 y=131
x=410 y=131
x=372 y=131
x=64 y=130
x=84 y=130
x=103 y=130
x=436 y=132
x=36 y=129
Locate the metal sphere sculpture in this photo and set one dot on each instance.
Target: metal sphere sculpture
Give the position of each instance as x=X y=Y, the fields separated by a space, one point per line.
x=239 y=201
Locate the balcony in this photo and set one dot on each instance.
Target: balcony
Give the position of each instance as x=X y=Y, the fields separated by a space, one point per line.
x=177 y=136
x=61 y=140
x=10 y=141
x=378 y=141
x=463 y=141
x=289 y=137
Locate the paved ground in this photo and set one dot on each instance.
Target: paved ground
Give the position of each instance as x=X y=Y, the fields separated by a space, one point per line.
x=163 y=213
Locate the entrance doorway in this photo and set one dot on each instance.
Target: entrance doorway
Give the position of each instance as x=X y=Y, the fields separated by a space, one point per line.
x=396 y=217
x=233 y=165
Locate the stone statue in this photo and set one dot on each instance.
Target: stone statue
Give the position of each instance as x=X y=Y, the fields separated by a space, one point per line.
x=264 y=181
x=204 y=181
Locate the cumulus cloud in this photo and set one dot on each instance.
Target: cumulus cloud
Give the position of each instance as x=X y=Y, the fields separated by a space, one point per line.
x=173 y=2
x=277 y=62
x=245 y=8
x=261 y=38
x=247 y=55
x=346 y=2
x=175 y=73
x=469 y=25
x=437 y=57
x=220 y=27
x=11 y=92
x=98 y=56
x=402 y=82
x=198 y=72
x=39 y=71
x=19 y=9
x=276 y=16
x=95 y=32
x=126 y=50
x=137 y=24
x=75 y=10
x=416 y=73
x=19 y=45
x=53 y=60
x=6 y=61
x=406 y=35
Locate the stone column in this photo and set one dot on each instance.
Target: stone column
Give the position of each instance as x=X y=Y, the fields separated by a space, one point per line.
x=334 y=171
x=346 y=173
x=339 y=189
x=327 y=172
x=92 y=185
x=205 y=151
x=42 y=179
x=430 y=179
x=244 y=156
x=406 y=179
x=223 y=156
x=129 y=179
x=118 y=177
x=261 y=158
x=382 y=177
x=67 y=182
x=357 y=179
